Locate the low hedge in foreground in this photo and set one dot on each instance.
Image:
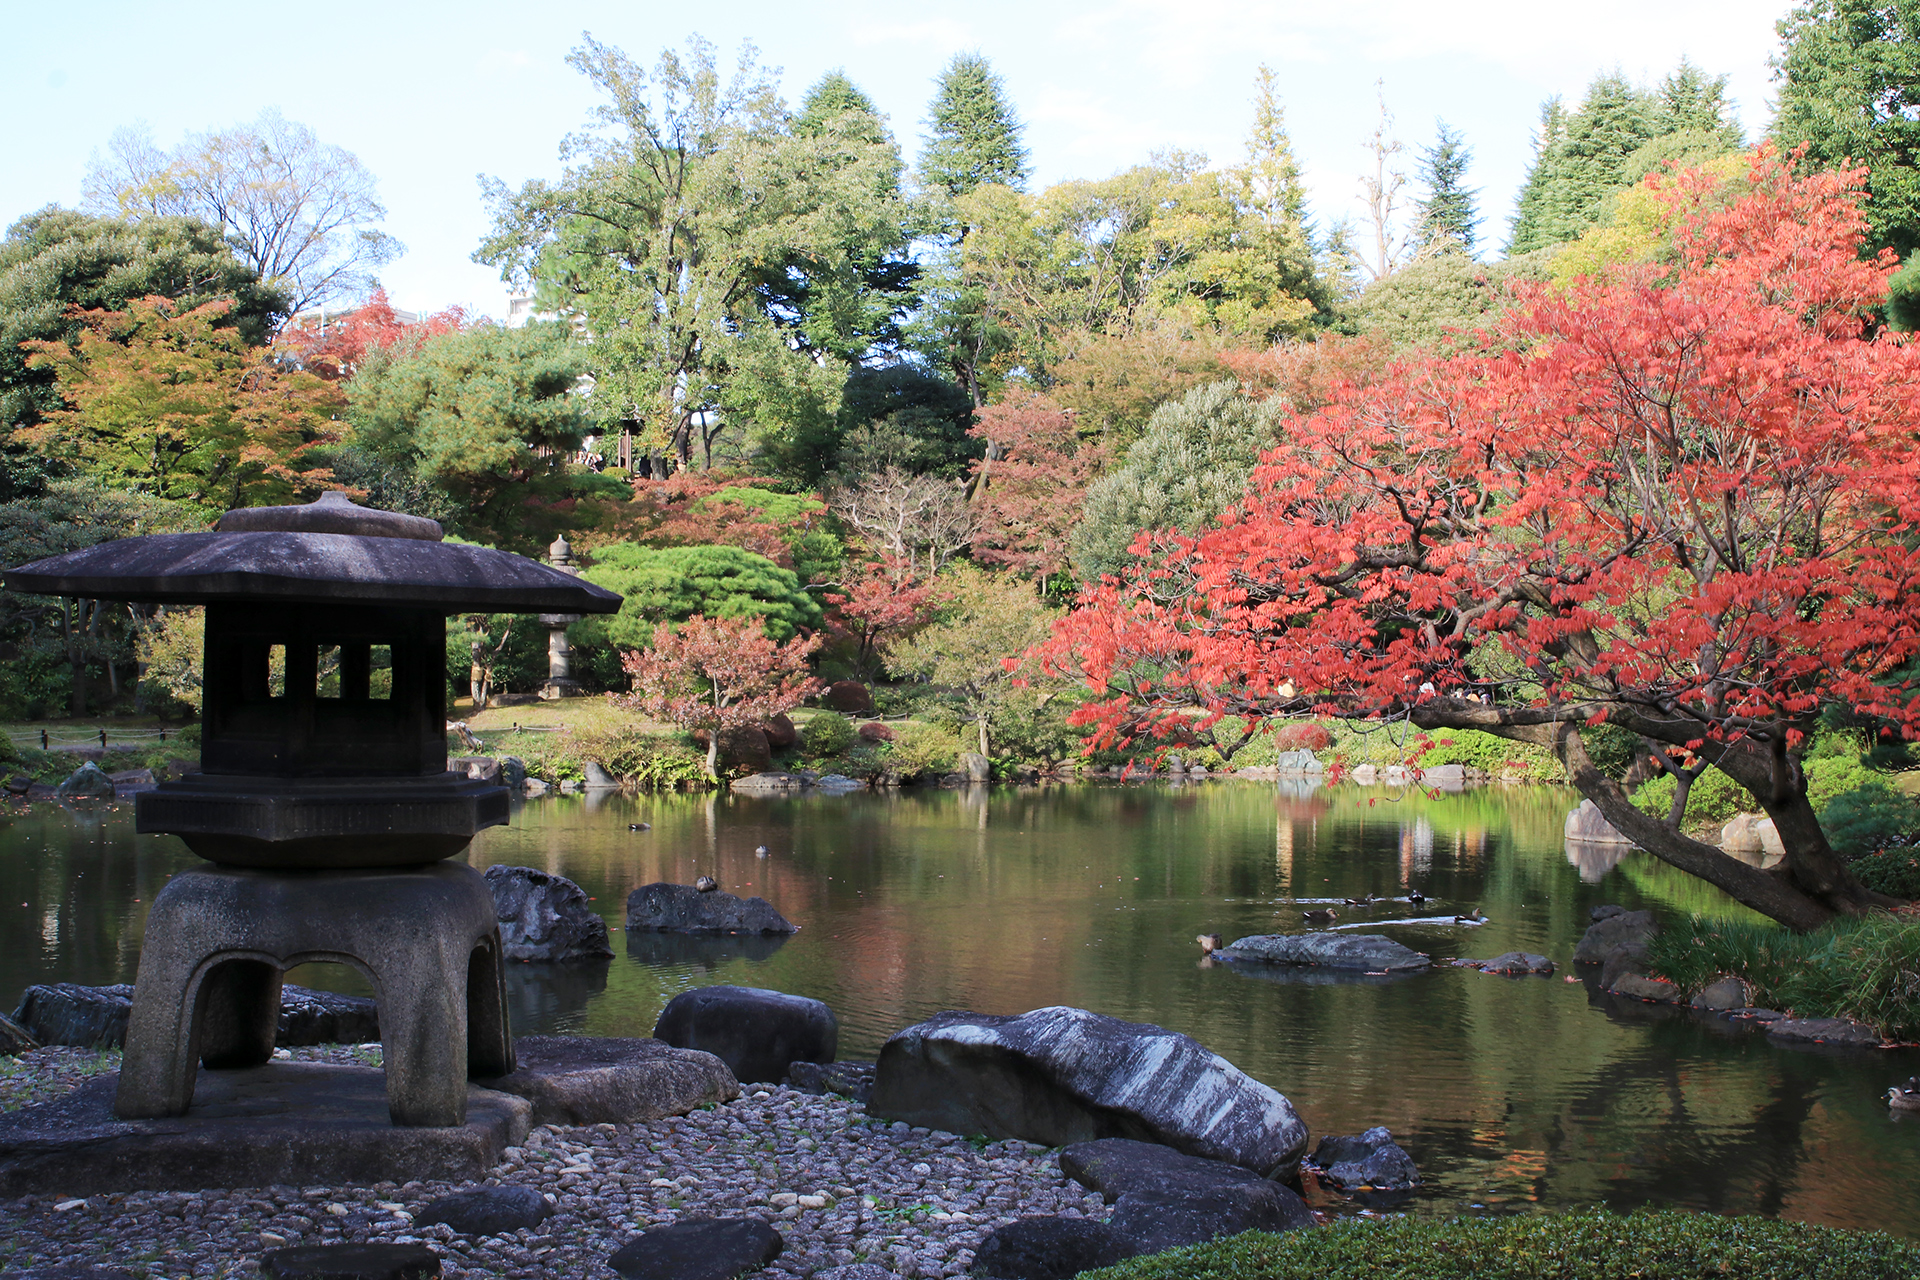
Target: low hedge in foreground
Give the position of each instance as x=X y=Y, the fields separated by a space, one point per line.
x=1592 y=1245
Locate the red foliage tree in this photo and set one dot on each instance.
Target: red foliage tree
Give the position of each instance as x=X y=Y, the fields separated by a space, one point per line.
x=717 y=674
x=879 y=601
x=334 y=348
x=1677 y=498
x=682 y=511
x=1028 y=488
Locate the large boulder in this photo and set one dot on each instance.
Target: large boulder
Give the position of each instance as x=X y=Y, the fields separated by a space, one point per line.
x=699 y=1249
x=681 y=908
x=757 y=1033
x=1724 y=995
x=976 y=767
x=325 y=1017
x=1586 y=825
x=1365 y=952
x=1628 y=928
x=87 y=782
x=71 y=1014
x=1754 y=839
x=575 y=1080
x=1061 y=1075
x=848 y=697
x=1371 y=1159
x=1050 y=1248
x=545 y=917
x=1298 y=762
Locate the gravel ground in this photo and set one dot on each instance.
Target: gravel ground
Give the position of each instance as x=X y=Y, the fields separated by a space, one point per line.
x=840 y=1187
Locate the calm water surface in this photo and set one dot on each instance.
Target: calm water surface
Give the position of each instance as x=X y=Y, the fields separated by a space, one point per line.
x=1512 y=1094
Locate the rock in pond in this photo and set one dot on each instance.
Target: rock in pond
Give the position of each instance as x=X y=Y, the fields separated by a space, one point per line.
x=1723 y=996
x=1515 y=963
x=1586 y=825
x=85 y=783
x=976 y=767
x=757 y=1033
x=1062 y=1075
x=769 y=783
x=1836 y=1031
x=1050 y=1248
x=545 y=917
x=1370 y=1159
x=1639 y=986
x=488 y=1211
x=699 y=1249
x=1363 y=952
x=680 y=908
x=1628 y=928
x=611 y=1080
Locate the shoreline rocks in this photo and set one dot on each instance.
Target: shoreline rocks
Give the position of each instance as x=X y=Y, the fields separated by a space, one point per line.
x=681 y=908
x=1360 y=952
x=544 y=917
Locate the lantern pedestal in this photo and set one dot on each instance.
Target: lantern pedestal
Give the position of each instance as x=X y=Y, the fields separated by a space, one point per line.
x=218 y=941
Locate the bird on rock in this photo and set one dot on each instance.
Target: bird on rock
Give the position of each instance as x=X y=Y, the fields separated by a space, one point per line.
x=706 y=884
x=1320 y=917
x=1472 y=917
x=1209 y=943
x=1905 y=1097
x=639 y=826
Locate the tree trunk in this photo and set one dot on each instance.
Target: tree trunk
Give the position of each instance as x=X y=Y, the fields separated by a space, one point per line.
x=1810 y=886
x=983 y=735
x=713 y=753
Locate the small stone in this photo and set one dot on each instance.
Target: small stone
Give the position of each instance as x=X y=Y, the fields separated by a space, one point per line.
x=699 y=1249
x=352 y=1262
x=1370 y=1159
x=1515 y=963
x=1727 y=993
x=488 y=1211
x=1638 y=986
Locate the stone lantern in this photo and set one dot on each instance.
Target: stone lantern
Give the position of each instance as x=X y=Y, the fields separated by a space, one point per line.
x=560 y=682
x=323 y=799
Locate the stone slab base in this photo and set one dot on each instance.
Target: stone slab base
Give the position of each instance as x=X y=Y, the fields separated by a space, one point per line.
x=287 y=1123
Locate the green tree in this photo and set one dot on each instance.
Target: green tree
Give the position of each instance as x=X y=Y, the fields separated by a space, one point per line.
x=1849 y=77
x=56 y=263
x=974 y=137
x=1190 y=464
x=659 y=236
x=671 y=584
x=900 y=415
x=1448 y=215
x=1418 y=305
x=985 y=621
x=487 y=415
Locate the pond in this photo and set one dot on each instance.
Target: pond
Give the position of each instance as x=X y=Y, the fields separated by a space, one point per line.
x=1511 y=1094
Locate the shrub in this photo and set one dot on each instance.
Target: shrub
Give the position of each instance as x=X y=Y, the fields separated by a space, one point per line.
x=827 y=733
x=1302 y=735
x=1497 y=757
x=1713 y=799
x=922 y=750
x=1894 y=872
x=1869 y=818
x=634 y=752
x=1865 y=968
x=1588 y=1245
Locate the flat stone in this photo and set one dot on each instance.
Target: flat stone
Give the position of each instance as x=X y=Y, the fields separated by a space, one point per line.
x=607 y=1080
x=1062 y=1075
x=1364 y=952
x=848 y=1079
x=1723 y=995
x=545 y=917
x=1628 y=928
x=288 y=1123
x=1117 y=1166
x=1156 y=1220
x=837 y=784
x=325 y=1017
x=699 y=1249
x=681 y=908
x=1639 y=986
x=770 y=782
x=1370 y=1159
x=71 y=1014
x=1840 y=1031
x=352 y=1262
x=487 y=1211
x=1050 y=1248
x=1757 y=1015
x=756 y=1032
x=1516 y=962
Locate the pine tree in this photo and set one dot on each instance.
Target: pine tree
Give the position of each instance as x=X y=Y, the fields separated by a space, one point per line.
x=1448 y=214
x=976 y=136
x=1529 y=217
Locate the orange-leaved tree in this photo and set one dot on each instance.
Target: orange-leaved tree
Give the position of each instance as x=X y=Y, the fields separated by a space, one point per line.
x=165 y=401
x=716 y=675
x=1029 y=487
x=1681 y=498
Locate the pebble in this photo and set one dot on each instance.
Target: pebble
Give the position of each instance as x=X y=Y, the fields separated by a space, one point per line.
x=842 y=1189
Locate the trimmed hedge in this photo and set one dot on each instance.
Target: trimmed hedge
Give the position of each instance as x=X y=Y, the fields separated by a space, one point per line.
x=1589 y=1245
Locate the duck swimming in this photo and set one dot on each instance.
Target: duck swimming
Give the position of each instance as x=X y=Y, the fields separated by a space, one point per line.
x=759 y=851
x=1905 y=1097
x=1472 y=917
x=639 y=826
x=1209 y=943
x=1417 y=898
x=1360 y=901
x=1327 y=916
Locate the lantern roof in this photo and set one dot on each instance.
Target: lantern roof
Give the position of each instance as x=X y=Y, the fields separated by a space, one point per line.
x=329 y=551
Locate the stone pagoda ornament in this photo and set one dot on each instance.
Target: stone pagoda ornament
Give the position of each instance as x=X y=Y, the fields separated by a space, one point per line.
x=323 y=800
x=560 y=682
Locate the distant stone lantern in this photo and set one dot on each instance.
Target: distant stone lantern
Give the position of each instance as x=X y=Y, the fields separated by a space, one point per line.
x=323 y=796
x=560 y=682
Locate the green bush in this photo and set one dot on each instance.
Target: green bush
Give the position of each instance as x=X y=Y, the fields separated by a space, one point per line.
x=1589 y=1245
x=1869 y=818
x=826 y=733
x=1894 y=872
x=1713 y=799
x=922 y=750
x=35 y=685
x=1867 y=968
x=1496 y=757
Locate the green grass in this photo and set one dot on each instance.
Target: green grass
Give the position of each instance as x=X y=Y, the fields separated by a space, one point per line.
x=1593 y=1245
x=1867 y=969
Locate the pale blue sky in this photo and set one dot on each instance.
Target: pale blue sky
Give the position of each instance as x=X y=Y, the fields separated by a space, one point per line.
x=430 y=94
